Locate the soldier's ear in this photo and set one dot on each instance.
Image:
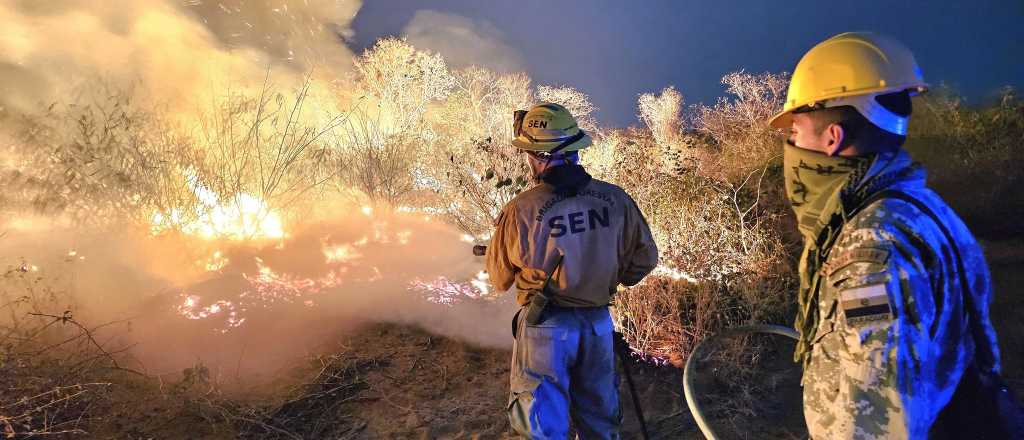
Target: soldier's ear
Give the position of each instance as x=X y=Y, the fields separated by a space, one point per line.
x=834 y=136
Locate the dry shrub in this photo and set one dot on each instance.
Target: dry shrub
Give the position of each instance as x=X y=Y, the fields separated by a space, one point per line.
x=268 y=145
x=54 y=371
x=474 y=169
x=379 y=164
x=107 y=156
x=976 y=146
x=681 y=149
x=738 y=123
x=98 y=156
x=383 y=143
x=404 y=80
x=311 y=410
x=716 y=217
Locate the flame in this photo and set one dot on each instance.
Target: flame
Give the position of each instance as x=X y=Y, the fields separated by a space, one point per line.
x=263 y=289
x=216 y=262
x=445 y=291
x=342 y=253
x=266 y=287
x=190 y=309
x=242 y=217
x=675 y=274
x=482 y=283
x=269 y=286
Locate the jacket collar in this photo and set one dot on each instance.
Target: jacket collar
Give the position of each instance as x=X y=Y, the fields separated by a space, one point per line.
x=566 y=179
x=887 y=170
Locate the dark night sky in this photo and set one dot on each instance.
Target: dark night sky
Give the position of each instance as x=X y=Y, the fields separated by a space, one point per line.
x=614 y=50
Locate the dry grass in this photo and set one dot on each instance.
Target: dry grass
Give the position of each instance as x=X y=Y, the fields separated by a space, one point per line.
x=94 y=157
x=976 y=144
x=715 y=217
x=54 y=370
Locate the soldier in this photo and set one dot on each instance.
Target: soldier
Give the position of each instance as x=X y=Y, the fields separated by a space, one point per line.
x=586 y=236
x=894 y=289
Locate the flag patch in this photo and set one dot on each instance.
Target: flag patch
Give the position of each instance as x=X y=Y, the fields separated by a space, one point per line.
x=865 y=304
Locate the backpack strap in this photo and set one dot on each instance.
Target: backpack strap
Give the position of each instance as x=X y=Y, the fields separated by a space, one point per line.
x=981 y=347
x=982 y=394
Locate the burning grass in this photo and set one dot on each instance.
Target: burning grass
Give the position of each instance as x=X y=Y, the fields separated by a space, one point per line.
x=237 y=184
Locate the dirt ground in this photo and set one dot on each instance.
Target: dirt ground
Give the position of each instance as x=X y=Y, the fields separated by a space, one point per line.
x=389 y=381
x=420 y=386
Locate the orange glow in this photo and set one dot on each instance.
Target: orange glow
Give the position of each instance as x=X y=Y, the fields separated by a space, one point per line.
x=242 y=217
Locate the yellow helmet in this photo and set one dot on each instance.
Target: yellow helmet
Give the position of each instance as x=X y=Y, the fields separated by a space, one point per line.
x=548 y=128
x=852 y=69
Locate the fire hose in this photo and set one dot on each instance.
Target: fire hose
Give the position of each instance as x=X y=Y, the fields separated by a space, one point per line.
x=698 y=352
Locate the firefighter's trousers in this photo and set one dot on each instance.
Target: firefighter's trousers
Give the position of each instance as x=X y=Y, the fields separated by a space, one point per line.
x=565 y=367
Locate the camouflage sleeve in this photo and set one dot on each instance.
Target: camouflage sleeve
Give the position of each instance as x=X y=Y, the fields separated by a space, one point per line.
x=501 y=266
x=875 y=366
x=640 y=253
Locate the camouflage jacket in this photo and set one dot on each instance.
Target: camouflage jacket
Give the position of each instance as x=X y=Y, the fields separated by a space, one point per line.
x=893 y=338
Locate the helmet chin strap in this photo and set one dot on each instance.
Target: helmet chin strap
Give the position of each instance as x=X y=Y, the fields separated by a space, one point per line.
x=553 y=159
x=550 y=155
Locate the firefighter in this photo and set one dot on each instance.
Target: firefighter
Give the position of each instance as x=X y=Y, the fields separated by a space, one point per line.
x=894 y=289
x=588 y=237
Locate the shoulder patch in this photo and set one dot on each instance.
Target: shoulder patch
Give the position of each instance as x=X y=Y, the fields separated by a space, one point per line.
x=859 y=255
x=865 y=304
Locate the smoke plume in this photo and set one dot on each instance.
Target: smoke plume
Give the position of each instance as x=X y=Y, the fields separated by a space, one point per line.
x=181 y=53
x=250 y=308
x=242 y=307
x=463 y=41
